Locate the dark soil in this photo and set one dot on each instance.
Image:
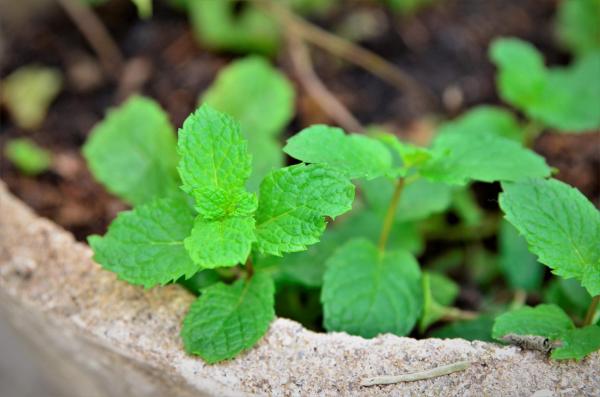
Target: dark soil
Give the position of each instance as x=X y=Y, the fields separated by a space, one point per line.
x=443 y=47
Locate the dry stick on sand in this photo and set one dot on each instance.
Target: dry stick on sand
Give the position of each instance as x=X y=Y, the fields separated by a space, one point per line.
x=347 y=50
x=96 y=35
x=420 y=375
x=300 y=57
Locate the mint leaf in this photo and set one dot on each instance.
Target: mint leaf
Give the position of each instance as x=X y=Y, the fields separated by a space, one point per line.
x=220 y=243
x=491 y=119
x=560 y=225
x=443 y=289
x=145 y=246
x=410 y=155
x=136 y=137
x=218 y=25
x=367 y=293
x=519 y=266
x=27 y=156
x=307 y=267
x=266 y=157
x=549 y=321
x=569 y=295
x=562 y=98
x=293 y=202
x=213 y=153
x=577 y=25
x=578 y=343
x=216 y=203
x=484 y=157
x=228 y=319
x=419 y=199
x=356 y=156
x=245 y=88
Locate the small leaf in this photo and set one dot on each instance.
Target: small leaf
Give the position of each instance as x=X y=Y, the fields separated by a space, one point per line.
x=549 y=321
x=28 y=92
x=27 y=156
x=578 y=343
x=368 y=293
x=438 y=292
x=293 y=203
x=356 y=156
x=485 y=118
x=483 y=157
x=560 y=225
x=133 y=152
x=220 y=243
x=410 y=155
x=213 y=152
x=145 y=246
x=519 y=266
x=577 y=25
x=228 y=319
x=419 y=199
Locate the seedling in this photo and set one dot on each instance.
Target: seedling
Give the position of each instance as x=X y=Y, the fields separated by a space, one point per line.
x=27 y=156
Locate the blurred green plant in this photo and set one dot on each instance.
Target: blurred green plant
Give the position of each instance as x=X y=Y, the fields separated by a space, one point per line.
x=27 y=156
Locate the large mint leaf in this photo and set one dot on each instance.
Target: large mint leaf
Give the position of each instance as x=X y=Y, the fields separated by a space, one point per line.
x=485 y=118
x=418 y=200
x=133 y=152
x=356 y=156
x=228 y=319
x=222 y=242
x=484 y=157
x=293 y=203
x=145 y=246
x=549 y=321
x=245 y=89
x=560 y=225
x=367 y=293
x=577 y=25
x=214 y=156
x=519 y=266
x=578 y=343
x=562 y=98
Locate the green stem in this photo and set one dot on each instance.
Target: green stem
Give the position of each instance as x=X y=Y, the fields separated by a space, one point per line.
x=589 y=316
x=456 y=314
x=519 y=299
x=532 y=130
x=390 y=215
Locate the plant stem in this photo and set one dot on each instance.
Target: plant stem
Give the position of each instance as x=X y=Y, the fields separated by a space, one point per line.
x=249 y=268
x=454 y=314
x=519 y=299
x=532 y=130
x=591 y=312
x=300 y=57
x=420 y=375
x=390 y=214
x=346 y=50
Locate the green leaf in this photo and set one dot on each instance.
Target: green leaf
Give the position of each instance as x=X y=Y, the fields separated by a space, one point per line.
x=443 y=290
x=213 y=152
x=578 y=343
x=27 y=156
x=569 y=295
x=220 y=243
x=200 y=280
x=218 y=25
x=144 y=8
x=307 y=267
x=217 y=203
x=410 y=155
x=245 y=89
x=133 y=152
x=476 y=329
x=492 y=119
x=519 y=266
x=356 y=156
x=145 y=246
x=293 y=202
x=419 y=199
x=28 y=92
x=560 y=225
x=367 y=293
x=577 y=25
x=484 y=157
x=228 y=319
x=549 y=321
x=561 y=98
